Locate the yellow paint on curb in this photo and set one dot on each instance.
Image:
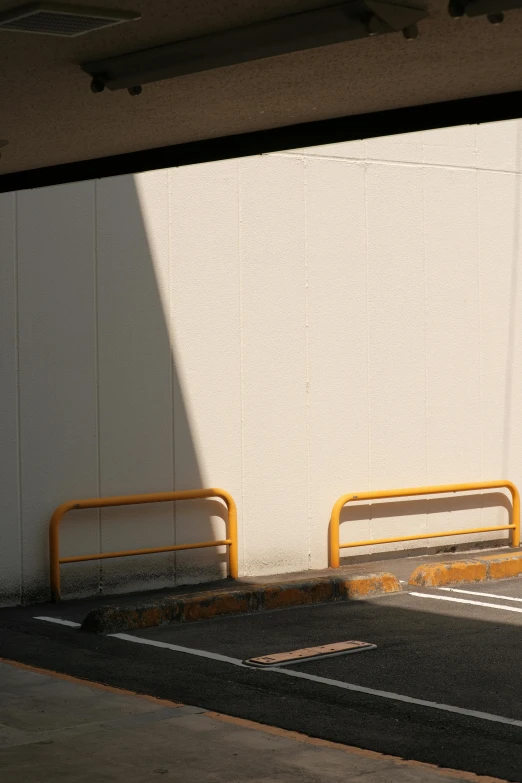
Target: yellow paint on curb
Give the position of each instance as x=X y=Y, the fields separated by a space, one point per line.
x=279 y=596
x=503 y=566
x=449 y=573
x=198 y=608
x=488 y=567
x=370 y=584
x=238 y=600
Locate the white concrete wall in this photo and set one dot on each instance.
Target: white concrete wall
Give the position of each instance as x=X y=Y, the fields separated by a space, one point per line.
x=290 y=327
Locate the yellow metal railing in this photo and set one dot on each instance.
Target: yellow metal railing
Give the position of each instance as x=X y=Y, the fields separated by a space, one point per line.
x=128 y=500
x=334 y=546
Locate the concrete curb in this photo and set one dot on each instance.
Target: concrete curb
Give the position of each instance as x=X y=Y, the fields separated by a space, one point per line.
x=209 y=604
x=478 y=570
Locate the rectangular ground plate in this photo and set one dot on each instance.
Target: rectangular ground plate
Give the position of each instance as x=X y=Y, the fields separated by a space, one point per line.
x=309 y=654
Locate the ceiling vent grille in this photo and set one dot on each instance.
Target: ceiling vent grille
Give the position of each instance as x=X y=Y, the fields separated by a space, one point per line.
x=66 y=21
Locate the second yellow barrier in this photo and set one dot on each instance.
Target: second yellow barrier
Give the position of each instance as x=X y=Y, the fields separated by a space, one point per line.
x=334 y=545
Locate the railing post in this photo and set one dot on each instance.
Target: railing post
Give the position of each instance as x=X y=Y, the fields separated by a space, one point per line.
x=333 y=537
x=515 y=538
x=233 y=555
x=54 y=555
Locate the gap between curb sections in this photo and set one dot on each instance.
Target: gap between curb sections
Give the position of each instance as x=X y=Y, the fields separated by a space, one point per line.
x=481 y=569
x=209 y=604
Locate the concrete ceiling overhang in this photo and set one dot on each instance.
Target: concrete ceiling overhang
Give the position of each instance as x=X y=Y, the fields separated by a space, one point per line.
x=51 y=118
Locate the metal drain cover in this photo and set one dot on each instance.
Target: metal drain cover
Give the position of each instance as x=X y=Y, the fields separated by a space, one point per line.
x=309 y=654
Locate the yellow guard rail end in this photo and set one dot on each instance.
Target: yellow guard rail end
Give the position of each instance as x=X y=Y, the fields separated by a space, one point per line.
x=334 y=545
x=128 y=500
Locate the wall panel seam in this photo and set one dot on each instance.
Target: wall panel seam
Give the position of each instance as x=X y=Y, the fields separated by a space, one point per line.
x=479 y=317
x=307 y=361
x=425 y=305
x=241 y=364
x=17 y=396
x=97 y=379
x=168 y=315
x=366 y=165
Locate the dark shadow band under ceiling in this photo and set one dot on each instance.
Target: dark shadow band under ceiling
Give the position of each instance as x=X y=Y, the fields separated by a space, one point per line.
x=466 y=111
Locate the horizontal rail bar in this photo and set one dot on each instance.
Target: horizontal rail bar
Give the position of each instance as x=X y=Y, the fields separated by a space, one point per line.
x=130 y=500
x=334 y=545
x=153 y=497
x=150 y=551
x=395 y=540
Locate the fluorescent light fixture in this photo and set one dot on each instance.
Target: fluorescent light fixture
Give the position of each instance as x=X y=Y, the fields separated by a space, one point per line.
x=66 y=21
x=347 y=21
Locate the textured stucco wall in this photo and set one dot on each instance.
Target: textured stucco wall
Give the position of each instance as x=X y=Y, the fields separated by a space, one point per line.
x=290 y=327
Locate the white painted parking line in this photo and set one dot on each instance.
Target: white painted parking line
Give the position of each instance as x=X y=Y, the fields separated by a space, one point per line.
x=59 y=621
x=465 y=601
x=484 y=595
x=399 y=697
x=178 y=648
x=325 y=681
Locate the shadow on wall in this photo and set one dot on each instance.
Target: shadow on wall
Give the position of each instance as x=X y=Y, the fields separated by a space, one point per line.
x=383 y=518
x=145 y=435
x=102 y=410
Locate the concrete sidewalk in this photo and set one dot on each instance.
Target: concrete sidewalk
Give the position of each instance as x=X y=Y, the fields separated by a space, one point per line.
x=54 y=728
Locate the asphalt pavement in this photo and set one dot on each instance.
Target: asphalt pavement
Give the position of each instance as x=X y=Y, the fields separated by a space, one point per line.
x=443 y=685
